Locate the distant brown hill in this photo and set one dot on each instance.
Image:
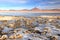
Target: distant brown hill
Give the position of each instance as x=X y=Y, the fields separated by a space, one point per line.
x=33 y=10
x=56 y=9
x=24 y=10
x=37 y=9
x=45 y=10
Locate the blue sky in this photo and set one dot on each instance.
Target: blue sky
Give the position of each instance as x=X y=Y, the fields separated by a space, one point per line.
x=29 y=4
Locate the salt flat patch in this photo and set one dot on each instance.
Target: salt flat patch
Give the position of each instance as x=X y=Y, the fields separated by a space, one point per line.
x=7 y=18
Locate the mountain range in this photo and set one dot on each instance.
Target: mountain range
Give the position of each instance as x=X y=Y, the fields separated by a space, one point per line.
x=33 y=10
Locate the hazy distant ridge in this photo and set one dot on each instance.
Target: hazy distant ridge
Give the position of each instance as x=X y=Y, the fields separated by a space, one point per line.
x=33 y=10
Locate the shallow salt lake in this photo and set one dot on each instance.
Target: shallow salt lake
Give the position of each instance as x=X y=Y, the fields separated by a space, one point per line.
x=28 y=14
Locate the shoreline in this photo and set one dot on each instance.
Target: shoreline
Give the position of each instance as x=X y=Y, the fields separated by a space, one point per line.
x=17 y=17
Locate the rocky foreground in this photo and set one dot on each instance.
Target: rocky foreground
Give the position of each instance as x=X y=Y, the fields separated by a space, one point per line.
x=30 y=28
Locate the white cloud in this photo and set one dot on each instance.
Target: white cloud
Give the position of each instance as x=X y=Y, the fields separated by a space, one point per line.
x=52 y=7
x=51 y=2
x=48 y=1
x=15 y=1
x=19 y=1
